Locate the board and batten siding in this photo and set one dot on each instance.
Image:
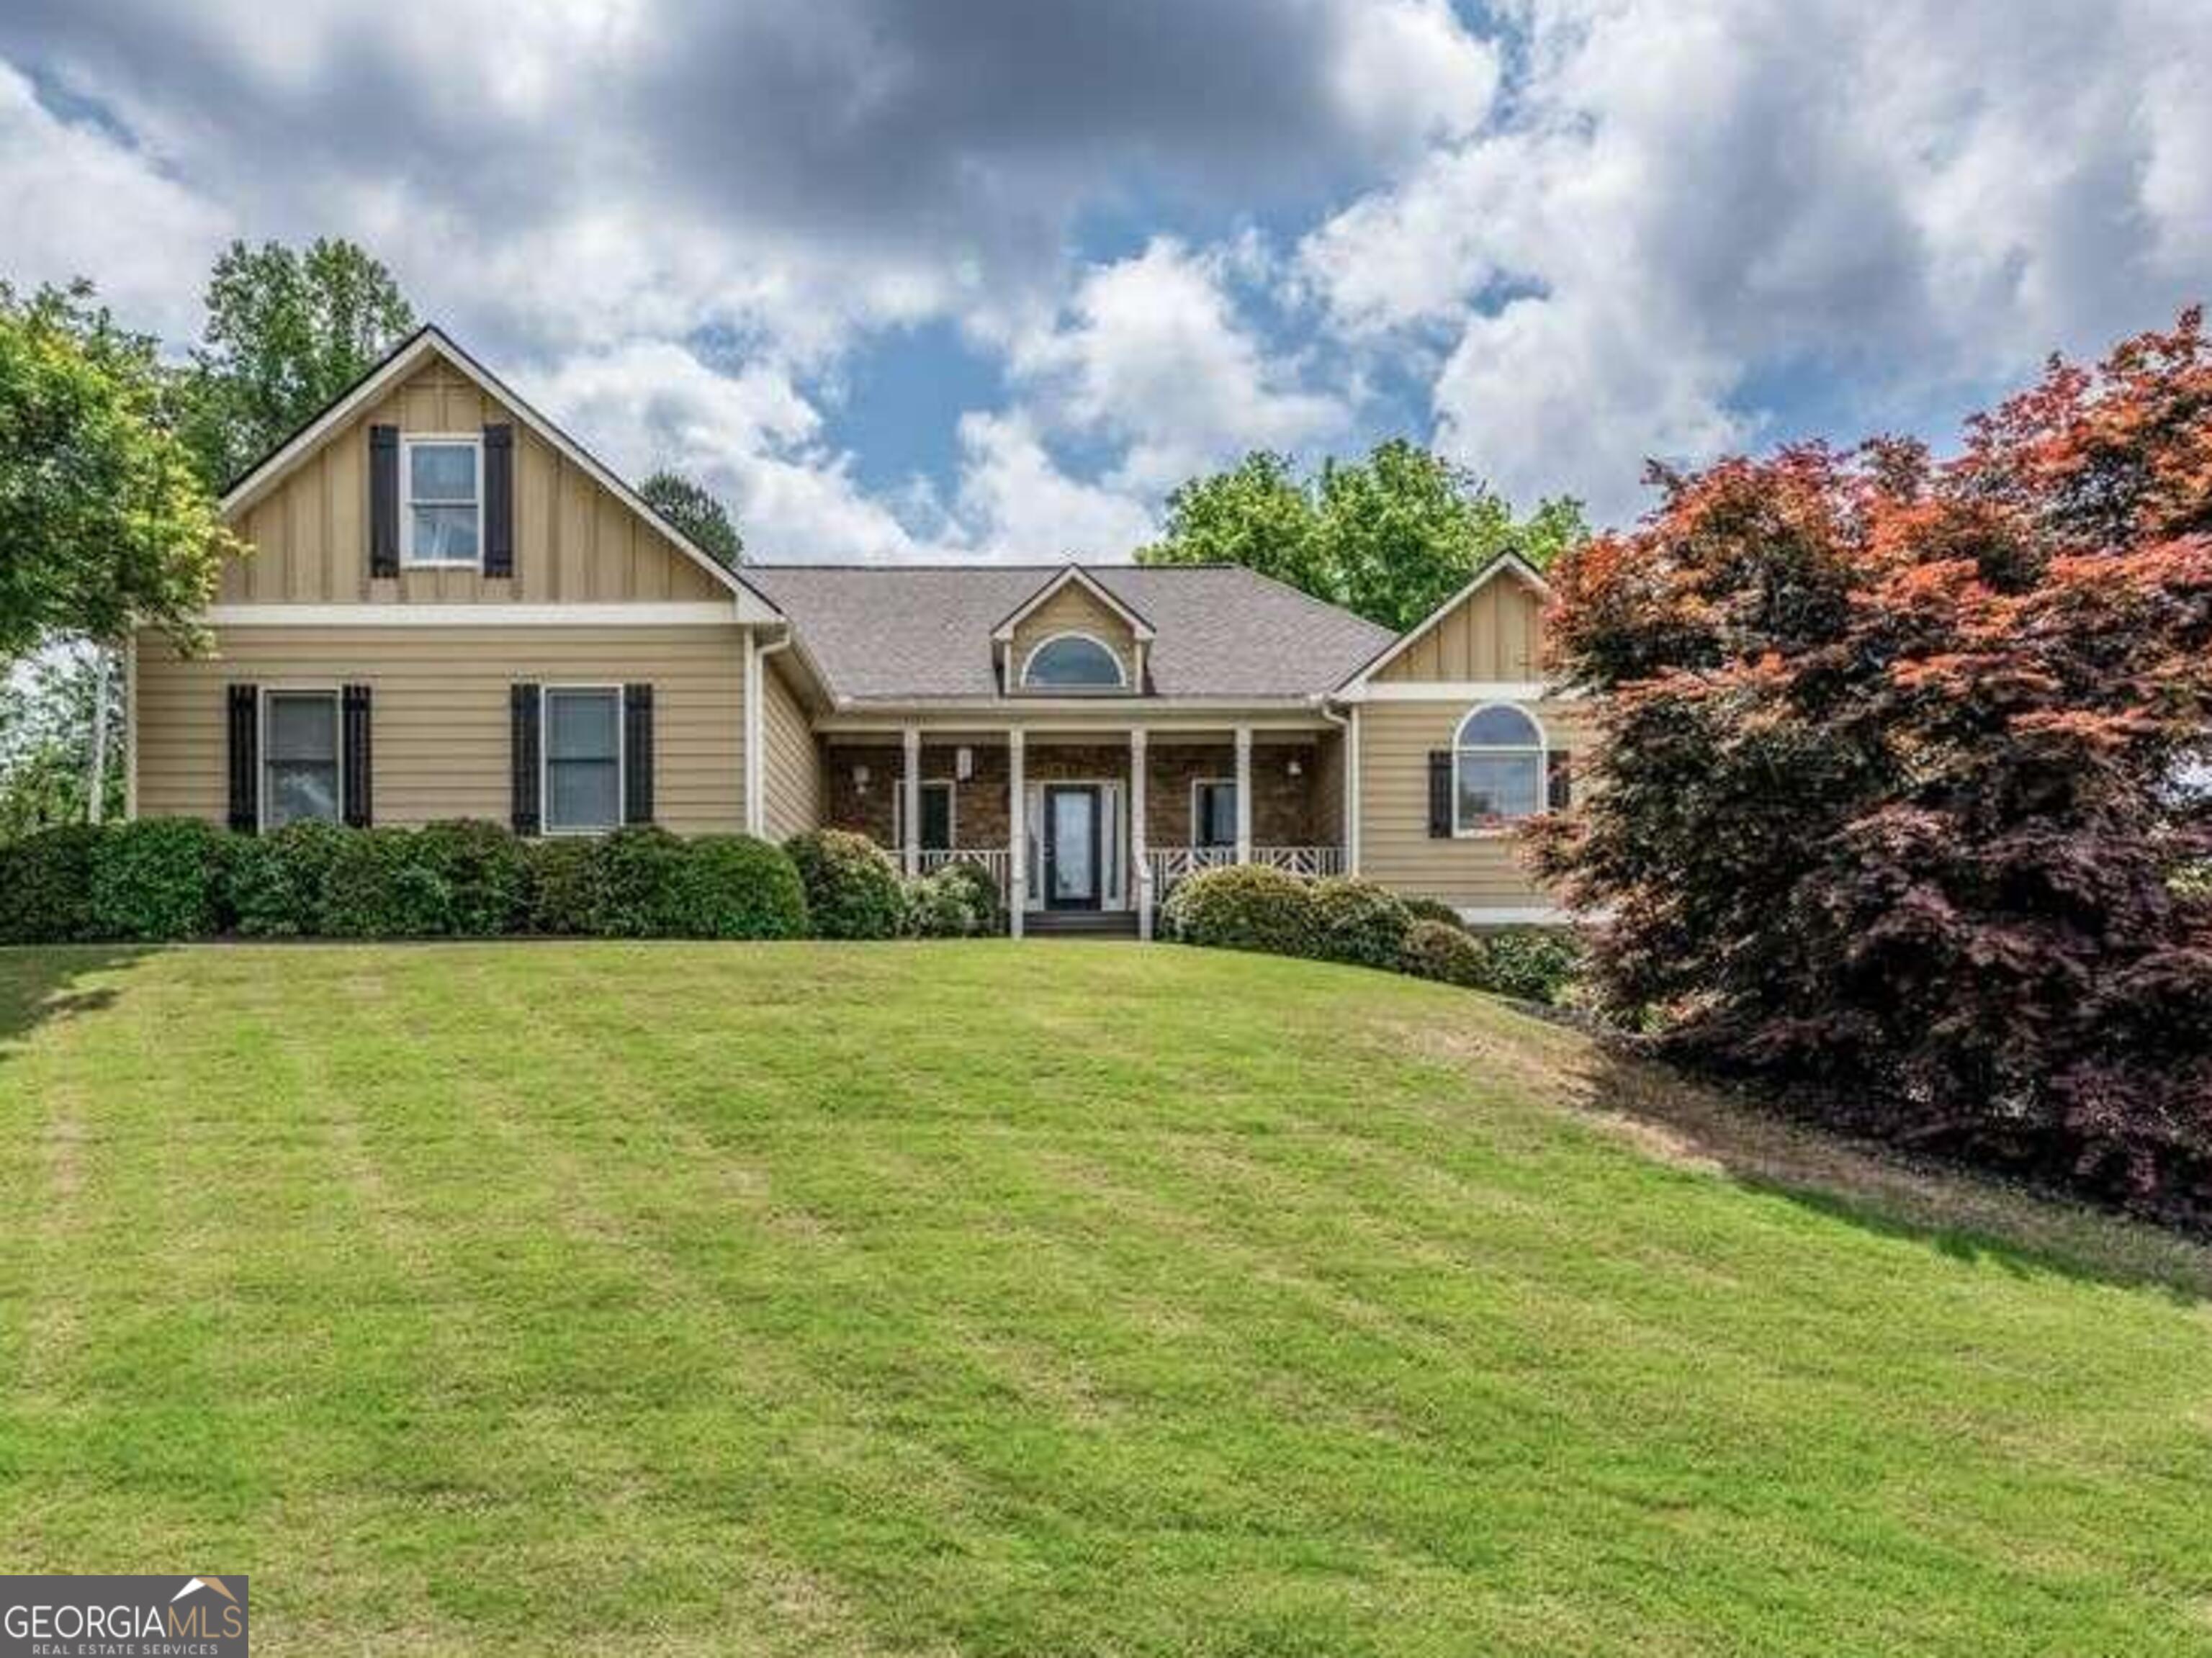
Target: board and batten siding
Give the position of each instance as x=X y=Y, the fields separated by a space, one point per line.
x=1496 y=632
x=791 y=768
x=575 y=541
x=1073 y=609
x=1477 y=872
x=439 y=722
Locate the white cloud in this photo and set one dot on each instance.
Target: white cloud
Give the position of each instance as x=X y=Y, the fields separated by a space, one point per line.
x=1151 y=354
x=85 y=204
x=1017 y=504
x=1917 y=201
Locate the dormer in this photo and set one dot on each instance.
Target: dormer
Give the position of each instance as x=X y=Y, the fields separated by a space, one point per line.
x=1071 y=638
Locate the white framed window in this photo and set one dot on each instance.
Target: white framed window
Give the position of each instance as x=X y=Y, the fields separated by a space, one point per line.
x=1214 y=811
x=1073 y=662
x=1498 y=766
x=300 y=780
x=938 y=827
x=442 y=502
x=581 y=745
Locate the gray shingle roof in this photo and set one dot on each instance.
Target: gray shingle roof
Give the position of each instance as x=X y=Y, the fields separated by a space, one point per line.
x=897 y=633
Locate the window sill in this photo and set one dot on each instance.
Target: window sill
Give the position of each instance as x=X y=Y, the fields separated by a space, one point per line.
x=407 y=565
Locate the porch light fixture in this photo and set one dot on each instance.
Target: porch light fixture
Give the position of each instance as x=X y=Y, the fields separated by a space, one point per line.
x=1297 y=766
x=964 y=762
x=859 y=779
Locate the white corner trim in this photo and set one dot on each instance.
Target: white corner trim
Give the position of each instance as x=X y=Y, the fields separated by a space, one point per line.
x=703 y=613
x=752 y=725
x=1455 y=690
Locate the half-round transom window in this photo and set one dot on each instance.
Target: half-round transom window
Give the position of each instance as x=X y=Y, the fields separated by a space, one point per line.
x=1498 y=768
x=1073 y=662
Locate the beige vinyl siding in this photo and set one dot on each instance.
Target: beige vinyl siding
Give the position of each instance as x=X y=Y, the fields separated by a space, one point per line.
x=1495 y=633
x=440 y=721
x=1074 y=610
x=1395 y=740
x=791 y=764
x=573 y=540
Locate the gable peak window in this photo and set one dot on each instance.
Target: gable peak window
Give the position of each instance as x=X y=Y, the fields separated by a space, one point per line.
x=1073 y=662
x=1498 y=768
x=441 y=505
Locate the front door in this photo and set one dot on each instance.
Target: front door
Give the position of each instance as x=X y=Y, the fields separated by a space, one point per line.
x=1070 y=846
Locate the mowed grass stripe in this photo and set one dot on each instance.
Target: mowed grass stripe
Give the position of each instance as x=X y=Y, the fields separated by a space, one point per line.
x=1033 y=1298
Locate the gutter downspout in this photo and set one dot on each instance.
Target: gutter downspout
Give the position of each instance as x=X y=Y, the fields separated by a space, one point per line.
x=1349 y=725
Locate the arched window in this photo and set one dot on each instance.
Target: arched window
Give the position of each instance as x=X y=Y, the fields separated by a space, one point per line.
x=1498 y=768
x=1073 y=662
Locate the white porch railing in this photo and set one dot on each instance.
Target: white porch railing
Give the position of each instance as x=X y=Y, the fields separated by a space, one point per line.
x=1169 y=864
x=994 y=861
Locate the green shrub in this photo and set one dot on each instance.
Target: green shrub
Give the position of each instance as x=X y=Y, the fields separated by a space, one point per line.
x=1432 y=909
x=1242 y=907
x=273 y=883
x=733 y=886
x=381 y=884
x=852 y=886
x=1444 y=951
x=982 y=892
x=1533 y=963
x=947 y=904
x=160 y=877
x=1358 y=922
x=563 y=886
x=45 y=886
x=486 y=874
x=640 y=868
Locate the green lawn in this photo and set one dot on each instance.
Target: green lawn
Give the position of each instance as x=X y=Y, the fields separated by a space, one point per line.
x=1036 y=1300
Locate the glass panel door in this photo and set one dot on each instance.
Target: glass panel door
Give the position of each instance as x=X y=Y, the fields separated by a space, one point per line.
x=1071 y=847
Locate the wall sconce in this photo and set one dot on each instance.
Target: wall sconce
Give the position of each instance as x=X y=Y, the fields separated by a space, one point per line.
x=859 y=779
x=964 y=762
x=1297 y=766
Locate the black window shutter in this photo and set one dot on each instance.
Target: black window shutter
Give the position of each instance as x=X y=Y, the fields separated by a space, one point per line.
x=1440 y=794
x=637 y=754
x=244 y=759
x=1560 y=781
x=353 y=703
x=522 y=703
x=498 y=500
x=382 y=501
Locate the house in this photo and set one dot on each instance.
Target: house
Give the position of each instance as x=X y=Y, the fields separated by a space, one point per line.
x=454 y=611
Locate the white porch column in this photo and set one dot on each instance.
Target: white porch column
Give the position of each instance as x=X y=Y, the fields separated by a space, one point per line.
x=1243 y=795
x=911 y=848
x=1140 y=868
x=1017 y=837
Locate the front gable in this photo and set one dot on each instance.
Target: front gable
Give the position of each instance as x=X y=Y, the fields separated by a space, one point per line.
x=1071 y=605
x=579 y=535
x=1491 y=632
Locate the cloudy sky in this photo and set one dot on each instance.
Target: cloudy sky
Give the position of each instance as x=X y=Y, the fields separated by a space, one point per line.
x=914 y=278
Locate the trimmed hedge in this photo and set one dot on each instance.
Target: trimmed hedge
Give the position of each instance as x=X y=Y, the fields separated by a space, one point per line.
x=1242 y=907
x=1432 y=909
x=1531 y=964
x=852 y=888
x=733 y=886
x=1358 y=922
x=1444 y=951
x=175 y=879
x=45 y=885
x=157 y=879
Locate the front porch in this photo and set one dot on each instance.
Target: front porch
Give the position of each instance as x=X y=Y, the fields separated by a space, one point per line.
x=1086 y=822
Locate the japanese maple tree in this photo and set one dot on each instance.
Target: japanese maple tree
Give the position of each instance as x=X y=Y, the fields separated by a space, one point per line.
x=1902 y=789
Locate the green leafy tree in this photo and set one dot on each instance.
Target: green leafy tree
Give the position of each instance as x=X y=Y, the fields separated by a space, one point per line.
x=1391 y=536
x=104 y=522
x=46 y=724
x=698 y=514
x=287 y=332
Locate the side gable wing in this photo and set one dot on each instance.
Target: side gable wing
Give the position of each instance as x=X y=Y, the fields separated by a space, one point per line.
x=1489 y=632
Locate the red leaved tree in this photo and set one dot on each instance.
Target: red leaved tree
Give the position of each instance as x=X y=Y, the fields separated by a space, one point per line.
x=1900 y=790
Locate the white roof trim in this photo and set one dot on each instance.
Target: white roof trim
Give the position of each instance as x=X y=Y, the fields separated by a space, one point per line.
x=429 y=341
x=1504 y=563
x=1075 y=573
